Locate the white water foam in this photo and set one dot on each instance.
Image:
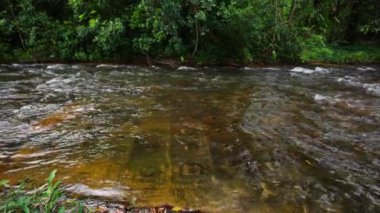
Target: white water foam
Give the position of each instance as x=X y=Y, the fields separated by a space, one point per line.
x=102 y=192
x=320 y=98
x=186 y=68
x=107 y=66
x=303 y=70
x=366 y=69
x=322 y=70
x=56 y=67
x=371 y=88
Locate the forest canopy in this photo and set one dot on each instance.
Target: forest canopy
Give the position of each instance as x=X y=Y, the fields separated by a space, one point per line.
x=196 y=30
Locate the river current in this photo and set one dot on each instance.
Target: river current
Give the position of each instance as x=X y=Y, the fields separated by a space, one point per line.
x=268 y=139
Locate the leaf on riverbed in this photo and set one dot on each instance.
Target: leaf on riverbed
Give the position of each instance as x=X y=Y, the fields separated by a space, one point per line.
x=177 y=209
x=4 y=183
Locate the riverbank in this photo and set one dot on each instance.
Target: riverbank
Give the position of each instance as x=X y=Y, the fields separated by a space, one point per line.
x=53 y=197
x=328 y=55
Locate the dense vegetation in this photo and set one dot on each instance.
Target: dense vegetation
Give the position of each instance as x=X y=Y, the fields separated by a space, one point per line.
x=190 y=30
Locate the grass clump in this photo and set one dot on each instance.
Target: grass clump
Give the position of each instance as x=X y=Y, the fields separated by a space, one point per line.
x=46 y=198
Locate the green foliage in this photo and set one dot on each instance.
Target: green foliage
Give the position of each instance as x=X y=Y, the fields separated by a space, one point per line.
x=109 y=36
x=158 y=25
x=371 y=27
x=47 y=198
x=368 y=18
x=316 y=50
x=205 y=31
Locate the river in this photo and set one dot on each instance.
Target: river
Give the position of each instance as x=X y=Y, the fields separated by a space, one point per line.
x=268 y=139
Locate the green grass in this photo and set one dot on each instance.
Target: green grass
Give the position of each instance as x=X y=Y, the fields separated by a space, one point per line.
x=46 y=198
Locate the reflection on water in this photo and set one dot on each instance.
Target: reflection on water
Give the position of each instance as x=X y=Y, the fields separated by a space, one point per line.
x=254 y=139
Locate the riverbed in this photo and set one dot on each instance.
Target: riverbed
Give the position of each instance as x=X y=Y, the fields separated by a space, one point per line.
x=265 y=139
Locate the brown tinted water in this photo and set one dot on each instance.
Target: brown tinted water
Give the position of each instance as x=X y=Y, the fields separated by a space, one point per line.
x=217 y=139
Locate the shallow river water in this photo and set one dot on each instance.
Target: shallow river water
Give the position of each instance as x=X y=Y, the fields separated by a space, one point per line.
x=272 y=139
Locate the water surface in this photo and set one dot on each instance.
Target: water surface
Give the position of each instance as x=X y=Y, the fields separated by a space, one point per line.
x=223 y=140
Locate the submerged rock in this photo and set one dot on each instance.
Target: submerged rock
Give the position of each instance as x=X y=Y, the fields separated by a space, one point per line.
x=128 y=207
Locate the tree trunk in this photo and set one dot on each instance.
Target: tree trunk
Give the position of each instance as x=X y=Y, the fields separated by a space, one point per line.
x=196 y=38
x=291 y=11
x=16 y=24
